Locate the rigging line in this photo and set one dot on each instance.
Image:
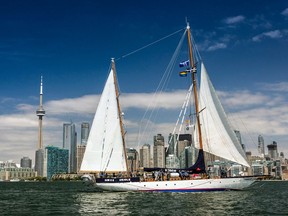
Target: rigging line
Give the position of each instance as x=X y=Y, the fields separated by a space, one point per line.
x=162 y=84
x=180 y=114
x=139 y=49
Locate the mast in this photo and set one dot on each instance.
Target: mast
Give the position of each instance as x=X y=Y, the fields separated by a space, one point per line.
x=119 y=111
x=194 y=81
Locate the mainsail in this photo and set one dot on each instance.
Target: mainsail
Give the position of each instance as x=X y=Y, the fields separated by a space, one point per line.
x=218 y=137
x=105 y=150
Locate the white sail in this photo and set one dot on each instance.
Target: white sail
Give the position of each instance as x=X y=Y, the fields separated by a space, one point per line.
x=105 y=149
x=218 y=137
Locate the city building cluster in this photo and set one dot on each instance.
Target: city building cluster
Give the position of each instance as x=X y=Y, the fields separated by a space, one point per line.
x=178 y=152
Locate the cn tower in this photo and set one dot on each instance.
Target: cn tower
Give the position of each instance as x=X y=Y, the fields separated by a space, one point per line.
x=40 y=113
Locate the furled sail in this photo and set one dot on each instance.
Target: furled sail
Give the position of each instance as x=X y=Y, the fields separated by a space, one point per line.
x=218 y=137
x=105 y=151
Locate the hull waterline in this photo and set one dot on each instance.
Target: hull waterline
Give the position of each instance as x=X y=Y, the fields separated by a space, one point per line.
x=201 y=185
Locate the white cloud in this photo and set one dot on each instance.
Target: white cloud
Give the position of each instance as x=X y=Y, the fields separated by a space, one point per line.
x=262 y=113
x=217 y=46
x=285 y=12
x=271 y=34
x=277 y=87
x=234 y=20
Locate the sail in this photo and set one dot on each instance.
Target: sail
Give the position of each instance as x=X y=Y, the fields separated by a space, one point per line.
x=218 y=137
x=105 y=150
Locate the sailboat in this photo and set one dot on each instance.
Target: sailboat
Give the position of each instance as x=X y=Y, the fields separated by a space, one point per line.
x=105 y=160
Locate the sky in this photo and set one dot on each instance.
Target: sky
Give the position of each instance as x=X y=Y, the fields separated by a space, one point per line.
x=70 y=43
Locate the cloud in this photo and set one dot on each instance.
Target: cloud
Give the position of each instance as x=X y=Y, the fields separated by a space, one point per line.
x=217 y=46
x=271 y=34
x=285 y=12
x=234 y=20
x=277 y=87
x=262 y=113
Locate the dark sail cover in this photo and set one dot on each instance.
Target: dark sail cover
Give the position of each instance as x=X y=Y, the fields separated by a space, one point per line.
x=199 y=166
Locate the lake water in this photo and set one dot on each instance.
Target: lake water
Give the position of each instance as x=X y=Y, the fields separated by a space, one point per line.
x=74 y=198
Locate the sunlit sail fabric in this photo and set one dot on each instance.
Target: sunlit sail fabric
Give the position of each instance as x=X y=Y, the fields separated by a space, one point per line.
x=218 y=138
x=105 y=150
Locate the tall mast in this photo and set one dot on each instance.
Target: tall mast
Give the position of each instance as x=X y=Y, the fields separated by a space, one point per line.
x=194 y=81
x=119 y=111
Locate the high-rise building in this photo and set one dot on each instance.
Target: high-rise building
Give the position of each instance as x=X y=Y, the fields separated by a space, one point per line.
x=39 y=154
x=172 y=142
x=145 y=156
x=184 y=141
x=70 y=143
x=55 y=161
x=238 y=136
x=186 y=157
x=159 y=151
x=26 y=162
x=272 y=150
x=80 y=155
x=172 y=161
x=261 y=148
x=132 y=160
x=84 y=132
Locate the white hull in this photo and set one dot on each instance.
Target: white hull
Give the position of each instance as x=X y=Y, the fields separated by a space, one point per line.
x=200 y=185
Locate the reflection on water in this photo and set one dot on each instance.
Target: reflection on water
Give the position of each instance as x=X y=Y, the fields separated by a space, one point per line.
x=72 y=198
x=103 y=203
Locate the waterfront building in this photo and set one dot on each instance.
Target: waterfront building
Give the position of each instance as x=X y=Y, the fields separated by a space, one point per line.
x=85 y=128
x=10 y=171
x=172 y=161
x=70 y=143
x=55 y=161
x=236 y=170
x=132 y=160
x=26 y=162
x=183 y=141
x=186 y=157
x=80 y=155
x=39 y=154
x=272 y=150
x=172 y=142
x=145 y=156
x=257 y=169
x=261 y=148
x=159 y=151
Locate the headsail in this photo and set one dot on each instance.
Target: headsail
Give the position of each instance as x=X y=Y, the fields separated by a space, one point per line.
x=105 y=151
x=218 y=137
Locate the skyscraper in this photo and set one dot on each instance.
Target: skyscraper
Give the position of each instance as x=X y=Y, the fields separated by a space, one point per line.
x=132 y=160
x=145 y=156
x=70 y=143
x=184 y=141
x=238 y=136
x=39 y=154
x=159 y=151
x=261 y=148
x=84 y=132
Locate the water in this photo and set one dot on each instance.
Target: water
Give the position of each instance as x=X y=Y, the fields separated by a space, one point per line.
x=74 y=198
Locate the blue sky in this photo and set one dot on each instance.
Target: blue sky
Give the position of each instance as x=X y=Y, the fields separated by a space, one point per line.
x=243 y=44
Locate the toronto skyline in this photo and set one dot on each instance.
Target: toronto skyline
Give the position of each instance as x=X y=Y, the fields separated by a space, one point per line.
x=70 y=43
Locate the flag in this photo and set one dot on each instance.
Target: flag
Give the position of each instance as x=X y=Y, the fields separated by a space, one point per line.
x=184 y=63
x=183 y=73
